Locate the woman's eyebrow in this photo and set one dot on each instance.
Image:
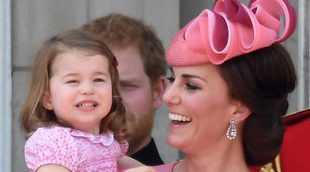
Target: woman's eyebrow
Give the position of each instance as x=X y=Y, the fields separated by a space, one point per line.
x=193 y=76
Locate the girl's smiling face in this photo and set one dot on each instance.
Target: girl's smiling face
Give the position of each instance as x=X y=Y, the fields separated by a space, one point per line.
x=199 y=107
x=80 y=90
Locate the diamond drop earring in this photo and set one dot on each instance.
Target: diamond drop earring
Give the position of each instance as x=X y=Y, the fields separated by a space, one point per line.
x=231 y=132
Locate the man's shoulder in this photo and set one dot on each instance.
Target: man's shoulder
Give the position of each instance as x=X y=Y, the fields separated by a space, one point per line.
x=148 y=155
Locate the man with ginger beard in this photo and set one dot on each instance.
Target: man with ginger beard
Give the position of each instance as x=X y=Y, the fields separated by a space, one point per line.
x=142 y=67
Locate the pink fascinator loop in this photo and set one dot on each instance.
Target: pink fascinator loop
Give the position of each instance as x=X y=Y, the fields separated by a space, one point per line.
x=231 y=29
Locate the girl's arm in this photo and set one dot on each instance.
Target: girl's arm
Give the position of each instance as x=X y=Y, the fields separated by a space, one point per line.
x=127 y=164
x=141 y=169
x=53 y=168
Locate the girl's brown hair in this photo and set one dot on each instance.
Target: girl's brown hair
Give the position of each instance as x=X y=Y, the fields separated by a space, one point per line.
x=34 y=115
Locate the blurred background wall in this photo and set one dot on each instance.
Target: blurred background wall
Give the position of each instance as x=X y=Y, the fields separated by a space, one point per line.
x=25 y=24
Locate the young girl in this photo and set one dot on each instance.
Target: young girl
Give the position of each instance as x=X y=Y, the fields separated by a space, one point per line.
x=73 y=116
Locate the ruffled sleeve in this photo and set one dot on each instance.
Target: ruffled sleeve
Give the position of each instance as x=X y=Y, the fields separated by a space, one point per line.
x=124 y=148
x=51 y=146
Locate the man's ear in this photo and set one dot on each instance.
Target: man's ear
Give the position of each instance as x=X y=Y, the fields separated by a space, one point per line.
x=158 y=91
x=47 y=102
x=241 y=112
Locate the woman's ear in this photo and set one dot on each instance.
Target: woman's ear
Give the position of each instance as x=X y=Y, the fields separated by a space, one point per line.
x=241 y=112
x=47 y=103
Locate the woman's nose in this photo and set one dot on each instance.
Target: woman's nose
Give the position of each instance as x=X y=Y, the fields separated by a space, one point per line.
x=171 y=95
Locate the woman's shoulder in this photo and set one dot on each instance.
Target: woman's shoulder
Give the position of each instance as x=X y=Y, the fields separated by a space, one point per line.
x=169 y=167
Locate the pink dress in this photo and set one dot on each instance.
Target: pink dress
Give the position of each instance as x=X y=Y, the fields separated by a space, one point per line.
x=73 y=149
x=169 y=168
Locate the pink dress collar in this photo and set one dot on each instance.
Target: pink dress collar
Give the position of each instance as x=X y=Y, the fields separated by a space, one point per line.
x=105 y=138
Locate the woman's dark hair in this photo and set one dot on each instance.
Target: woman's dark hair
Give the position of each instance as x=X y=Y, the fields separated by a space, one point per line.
x=262 y=80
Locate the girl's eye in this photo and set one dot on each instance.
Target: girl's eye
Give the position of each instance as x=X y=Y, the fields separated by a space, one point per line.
x=170 y=79
x=72 y=81
x=99 y=80
x=192 y=86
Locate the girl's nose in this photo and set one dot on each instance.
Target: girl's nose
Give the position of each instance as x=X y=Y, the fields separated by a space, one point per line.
x=87 y=88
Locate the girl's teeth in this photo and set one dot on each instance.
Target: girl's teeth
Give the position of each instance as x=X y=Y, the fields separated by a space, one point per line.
x=176 y=117
x=86 y=105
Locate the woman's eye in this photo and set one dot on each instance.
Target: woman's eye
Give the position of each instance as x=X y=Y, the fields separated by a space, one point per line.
x=191 y=86
x=170 y=79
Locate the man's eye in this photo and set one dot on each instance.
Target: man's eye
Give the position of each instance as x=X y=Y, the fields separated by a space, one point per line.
x=191 y=86
x=170 y=79
x=133 y=86
x=129 y=86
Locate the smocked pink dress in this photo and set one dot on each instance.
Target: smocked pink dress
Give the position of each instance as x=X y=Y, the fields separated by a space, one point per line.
x=76 y=150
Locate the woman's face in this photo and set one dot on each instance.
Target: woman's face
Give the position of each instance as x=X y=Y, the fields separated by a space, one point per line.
x=199 y=107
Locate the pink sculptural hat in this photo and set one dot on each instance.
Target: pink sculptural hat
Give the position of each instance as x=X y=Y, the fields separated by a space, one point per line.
x=231 y=29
